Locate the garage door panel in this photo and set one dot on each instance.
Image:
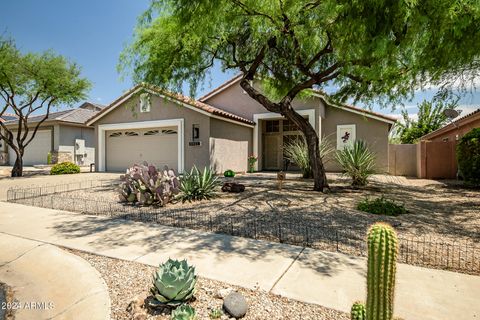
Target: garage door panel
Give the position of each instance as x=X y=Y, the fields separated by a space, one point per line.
x=36 y=151
x=157 y=146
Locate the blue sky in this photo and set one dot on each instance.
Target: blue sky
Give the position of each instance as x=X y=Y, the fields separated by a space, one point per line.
x=93 y=33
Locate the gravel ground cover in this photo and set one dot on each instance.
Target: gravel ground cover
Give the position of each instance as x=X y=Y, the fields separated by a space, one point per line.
x=441 y=228
x=130 y=281
x=6 y=298
x=438 y=211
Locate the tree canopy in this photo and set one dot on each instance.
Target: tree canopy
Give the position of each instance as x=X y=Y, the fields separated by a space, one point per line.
x=430 y=117
x=370 y=50
x=33 y=83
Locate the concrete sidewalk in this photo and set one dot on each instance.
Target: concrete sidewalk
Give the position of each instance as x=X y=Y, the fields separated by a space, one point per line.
x=330 y=279
x=50 y=283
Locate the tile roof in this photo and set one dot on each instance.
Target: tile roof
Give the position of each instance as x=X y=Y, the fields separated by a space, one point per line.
x=77 y=116
x=176 y=96
x=452 y=125
x=8 y=117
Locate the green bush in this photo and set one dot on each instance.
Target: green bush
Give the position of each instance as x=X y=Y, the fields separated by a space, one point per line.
x=65 y=168
x=357 y=162
x=381 y=206
x=229 y=174
x=49 y=158
x=468 y=156
x=196 y=185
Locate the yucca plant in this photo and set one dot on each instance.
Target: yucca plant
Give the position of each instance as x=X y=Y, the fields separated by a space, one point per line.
x=296 y=151
x=174 y=283
x=357 y=162
x=184 y=312
x=196 y=185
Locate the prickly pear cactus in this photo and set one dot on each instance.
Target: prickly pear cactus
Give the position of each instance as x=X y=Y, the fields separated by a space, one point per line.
x=145 y=185
x=382 y=256
x=358 y=312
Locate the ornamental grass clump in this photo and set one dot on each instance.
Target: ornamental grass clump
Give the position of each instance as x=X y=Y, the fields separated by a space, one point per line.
x=296 y=151
x=174 y=283
x=145 y=185
x=357 y=162
x=196 y=185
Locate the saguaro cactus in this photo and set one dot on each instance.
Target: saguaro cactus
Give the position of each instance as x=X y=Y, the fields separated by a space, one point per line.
x=358 y=311
x=382 y=257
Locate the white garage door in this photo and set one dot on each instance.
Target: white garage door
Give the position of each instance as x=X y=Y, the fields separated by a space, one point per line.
x=36 y=152
x=158 y=146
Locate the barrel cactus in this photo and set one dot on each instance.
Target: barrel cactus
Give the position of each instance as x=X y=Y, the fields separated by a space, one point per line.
x=382 y=258
x=382 y=244
x=184 y=312
x=229 y=174
x=174 y=282
x=358 y=311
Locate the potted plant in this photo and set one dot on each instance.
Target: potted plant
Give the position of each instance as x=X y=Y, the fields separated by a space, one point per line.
x=252 y=159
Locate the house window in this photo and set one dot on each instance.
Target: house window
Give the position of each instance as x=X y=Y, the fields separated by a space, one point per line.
x=151 y=133
x=145 y=102
x=346 y=135
x=445 y=139
x=289 y=125
x=169 y=131
x=115 y=134
x=272 y=126
x=131 y=133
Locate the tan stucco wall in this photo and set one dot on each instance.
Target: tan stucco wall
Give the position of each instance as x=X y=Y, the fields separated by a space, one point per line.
x=235 y=100
x=374 y=132
x=66 y=141
x=230 y=145
x=402 y=159
x=162 y=109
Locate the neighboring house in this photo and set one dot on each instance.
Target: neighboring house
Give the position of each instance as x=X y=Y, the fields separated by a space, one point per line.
x=436 y=151
x=220 y=130
x=63 y=134
x=456 y=129
x=3 y=154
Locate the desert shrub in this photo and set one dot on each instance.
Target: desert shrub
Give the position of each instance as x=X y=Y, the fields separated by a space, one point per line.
x=145 y=185
x=65 y=168
x=468 y=156
x=381 y=205
x=296 y=152
x=357 y=162
x=196 y=185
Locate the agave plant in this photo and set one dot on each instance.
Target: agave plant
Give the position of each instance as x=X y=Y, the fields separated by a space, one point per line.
x=174 y=283
x=145 y=185
x=358 y=162
x=184 y=312
x=196 y=185
x=296 y=151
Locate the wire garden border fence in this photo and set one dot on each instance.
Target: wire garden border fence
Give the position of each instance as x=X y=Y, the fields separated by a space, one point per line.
x=463 y=256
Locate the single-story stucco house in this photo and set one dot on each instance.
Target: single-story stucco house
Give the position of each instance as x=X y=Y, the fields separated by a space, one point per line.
x=220 y=130
x=63 y=134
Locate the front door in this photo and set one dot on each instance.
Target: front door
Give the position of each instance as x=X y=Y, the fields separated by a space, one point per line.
x=272 y=152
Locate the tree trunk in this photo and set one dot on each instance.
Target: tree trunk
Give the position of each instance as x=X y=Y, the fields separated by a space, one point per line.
x=17 y=170
x=320 y=182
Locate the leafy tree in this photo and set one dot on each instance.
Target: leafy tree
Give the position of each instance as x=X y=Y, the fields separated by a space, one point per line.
x=371 y=50
x=430 y=118
x=32 y=83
